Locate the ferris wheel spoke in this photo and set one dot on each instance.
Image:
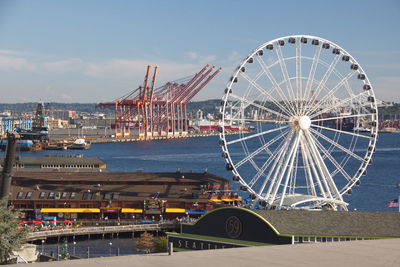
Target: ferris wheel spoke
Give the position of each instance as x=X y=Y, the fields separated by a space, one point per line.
x=263 y=147
x=258 y=106
x=340 y=103
x=311 y=74
x=325 y=78
x=285 y=74
x=275 y=84
x=299 y=73
x=337 y=145
x=342 y=117
x=332 y=159
x=330 y=94
x=327 y=178
x=258 y=120
x=340 y=131
x=260 y=171
x=255 y=135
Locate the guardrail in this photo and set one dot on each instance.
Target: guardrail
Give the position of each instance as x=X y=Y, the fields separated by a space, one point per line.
x=98 y=230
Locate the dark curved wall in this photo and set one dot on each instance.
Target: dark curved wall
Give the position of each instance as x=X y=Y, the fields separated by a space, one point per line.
x=235 y=223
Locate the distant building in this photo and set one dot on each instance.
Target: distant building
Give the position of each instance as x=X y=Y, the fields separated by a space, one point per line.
x=64 y=114
x=199 y=114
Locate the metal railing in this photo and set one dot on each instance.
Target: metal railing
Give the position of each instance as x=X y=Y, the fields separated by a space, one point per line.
x=98 y=230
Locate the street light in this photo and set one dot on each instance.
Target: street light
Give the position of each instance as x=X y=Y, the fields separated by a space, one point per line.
x=42 y=245
x=74 y=247
x=110 y=248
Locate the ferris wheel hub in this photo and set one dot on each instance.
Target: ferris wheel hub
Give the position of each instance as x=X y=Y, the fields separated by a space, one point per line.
x=304 y=122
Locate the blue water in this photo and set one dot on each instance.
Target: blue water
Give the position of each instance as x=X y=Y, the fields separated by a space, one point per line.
x=197 y=154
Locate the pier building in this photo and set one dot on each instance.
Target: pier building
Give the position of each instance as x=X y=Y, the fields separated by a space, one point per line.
x=89 y=195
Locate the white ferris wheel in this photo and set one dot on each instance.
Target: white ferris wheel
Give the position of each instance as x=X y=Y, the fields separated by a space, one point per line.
x=308 y=123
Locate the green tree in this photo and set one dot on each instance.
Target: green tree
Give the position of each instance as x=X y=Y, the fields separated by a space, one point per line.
x=161 y=244
x=10 y=234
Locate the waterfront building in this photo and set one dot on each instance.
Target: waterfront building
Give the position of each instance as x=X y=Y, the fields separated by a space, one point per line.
x=85 y=195
x=55 y=163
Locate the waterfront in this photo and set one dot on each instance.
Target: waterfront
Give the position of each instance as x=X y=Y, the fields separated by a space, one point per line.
x=199 y=154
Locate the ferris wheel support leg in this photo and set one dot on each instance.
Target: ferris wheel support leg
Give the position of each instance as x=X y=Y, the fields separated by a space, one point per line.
x=314 y=169
x=327 y=176
x=293 y=156
x=285 y=166
x=307 y=166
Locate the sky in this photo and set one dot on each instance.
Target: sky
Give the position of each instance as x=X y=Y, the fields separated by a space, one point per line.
x=97 y=51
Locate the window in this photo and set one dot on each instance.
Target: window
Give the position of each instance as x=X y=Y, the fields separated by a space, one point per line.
x=64 y=195
x=51 y=195
x=107 y=196
x=73 y=195
x=85 y=196
x=28 y=195
x=115 y=196
x=94 y=196
x=19 y=195
x=42 y=195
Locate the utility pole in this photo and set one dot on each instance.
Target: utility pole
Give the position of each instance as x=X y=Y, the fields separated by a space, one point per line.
x=12 y=138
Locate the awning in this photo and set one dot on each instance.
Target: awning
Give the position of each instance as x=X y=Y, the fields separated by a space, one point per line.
x=196 y=211
x=69 y=210
x=174 y=210
x=215 y=200
x=231 y=199
x=126 y=210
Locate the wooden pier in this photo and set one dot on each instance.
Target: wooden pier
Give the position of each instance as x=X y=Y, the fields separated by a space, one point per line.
x=102 y=230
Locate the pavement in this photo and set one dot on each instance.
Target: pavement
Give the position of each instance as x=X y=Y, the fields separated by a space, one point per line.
x=351 y=253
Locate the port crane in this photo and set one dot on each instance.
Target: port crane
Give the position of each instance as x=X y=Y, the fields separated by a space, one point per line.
x=158 y=112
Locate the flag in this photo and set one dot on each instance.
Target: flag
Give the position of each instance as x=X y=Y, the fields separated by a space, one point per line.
x=393 y=204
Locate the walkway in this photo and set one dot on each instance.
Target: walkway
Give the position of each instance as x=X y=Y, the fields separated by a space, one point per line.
x=354 y=253
x=100 y=230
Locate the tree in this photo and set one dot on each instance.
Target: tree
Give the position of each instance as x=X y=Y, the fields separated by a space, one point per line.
x=10 y=234
x=161 y=244
x=145 y=243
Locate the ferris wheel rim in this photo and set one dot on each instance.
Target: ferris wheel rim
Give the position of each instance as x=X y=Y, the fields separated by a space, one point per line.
x=228 y=91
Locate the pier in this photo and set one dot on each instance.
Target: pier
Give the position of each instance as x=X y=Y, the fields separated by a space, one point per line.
x=102 y=230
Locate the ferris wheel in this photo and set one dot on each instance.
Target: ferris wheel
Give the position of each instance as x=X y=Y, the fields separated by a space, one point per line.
x=307 y=119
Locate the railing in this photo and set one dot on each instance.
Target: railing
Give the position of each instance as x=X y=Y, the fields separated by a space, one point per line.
x=99 y=230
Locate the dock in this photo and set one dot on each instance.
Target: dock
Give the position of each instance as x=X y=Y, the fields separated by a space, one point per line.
x=87 y=231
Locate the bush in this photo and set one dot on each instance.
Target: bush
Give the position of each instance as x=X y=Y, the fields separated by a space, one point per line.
x=161 y=244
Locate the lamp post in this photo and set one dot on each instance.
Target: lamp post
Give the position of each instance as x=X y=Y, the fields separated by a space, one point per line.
x=42 y=245
x=110 y=248
x=74 y=247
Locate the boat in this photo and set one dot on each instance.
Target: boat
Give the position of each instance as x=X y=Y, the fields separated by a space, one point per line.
x=344 y=124
x=36 y=147
x=79 y=144
x=56 y=146
x=22 y=145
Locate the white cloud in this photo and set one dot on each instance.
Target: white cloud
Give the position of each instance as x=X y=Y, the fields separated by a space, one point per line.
x=67 y=65
x=16 y=63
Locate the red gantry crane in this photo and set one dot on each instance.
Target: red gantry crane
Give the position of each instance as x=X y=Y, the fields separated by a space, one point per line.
x=158 y=111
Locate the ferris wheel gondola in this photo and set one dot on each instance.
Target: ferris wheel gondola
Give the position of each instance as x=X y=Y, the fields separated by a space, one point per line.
x=299 y=102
